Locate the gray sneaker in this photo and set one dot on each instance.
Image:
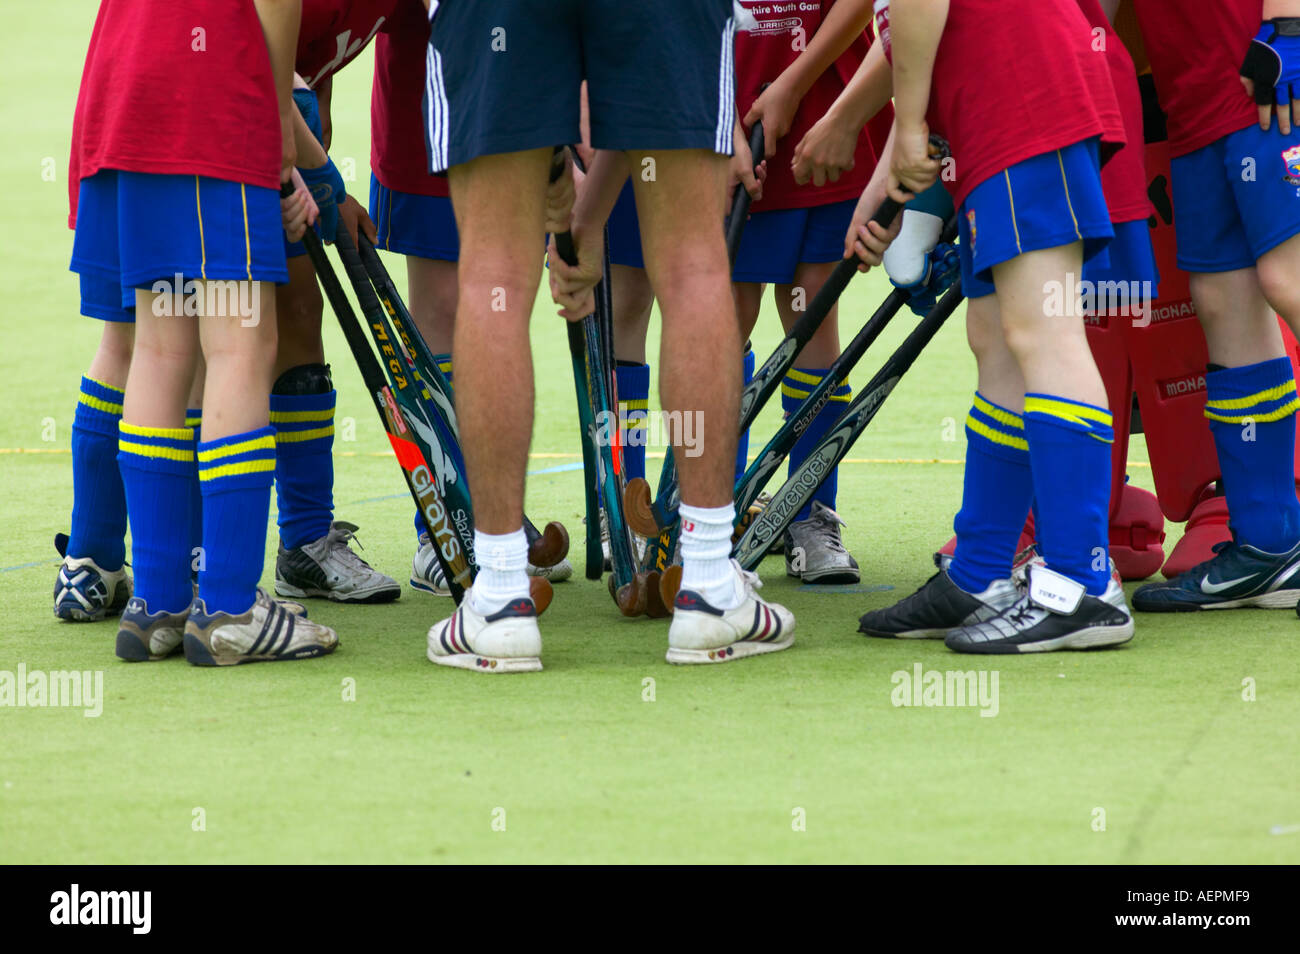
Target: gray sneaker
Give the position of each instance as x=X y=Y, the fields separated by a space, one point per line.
x=814 y=551
x=329 y=568
x=269 y=631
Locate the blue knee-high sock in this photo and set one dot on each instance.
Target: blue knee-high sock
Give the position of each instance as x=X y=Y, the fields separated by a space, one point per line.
x=633 y=412
x=194 y=419
x=98 y=500
x=794 y=390
x=742 y=446
x=452 y=448
x=156 y=463
x=304 y=465
x=996 y=491
x=1069 y=451
x=235 y=475
x=1252 y=412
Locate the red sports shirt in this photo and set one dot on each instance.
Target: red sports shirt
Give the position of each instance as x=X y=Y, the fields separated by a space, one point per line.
x=1014 y=79
x=1124 y=178
x=1196 y=48
x=333 y=32
x=785 y=28
x=177 y=89
x=398 y=156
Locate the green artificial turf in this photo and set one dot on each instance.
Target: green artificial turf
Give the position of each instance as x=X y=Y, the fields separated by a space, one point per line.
x=610 y=755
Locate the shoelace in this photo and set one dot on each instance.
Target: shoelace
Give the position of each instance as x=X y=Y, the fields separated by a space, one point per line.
x=826 y=527
x=1202 y=568
x=339 y=540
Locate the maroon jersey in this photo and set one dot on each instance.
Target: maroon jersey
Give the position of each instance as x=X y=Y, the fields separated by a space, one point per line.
x=784 y=31
x=1124 y=178
x=398 y=156
x=1195 y=51
x=1014 y=79
x=333 y=32
x=177 y=89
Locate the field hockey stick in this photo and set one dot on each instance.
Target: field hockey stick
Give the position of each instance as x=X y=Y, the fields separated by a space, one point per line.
x=593 y=378
x=796 y=492
x=595 y=557
x=629 y=587
x=545 y=548
x=647 y=515
x=419 y=475
x=758 y=473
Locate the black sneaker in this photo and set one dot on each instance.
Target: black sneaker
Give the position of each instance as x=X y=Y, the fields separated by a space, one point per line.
x=1236 y=576
x=938 y=606
x=1055 y=612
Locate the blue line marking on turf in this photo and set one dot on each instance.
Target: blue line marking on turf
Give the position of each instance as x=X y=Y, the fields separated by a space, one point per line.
x=845 y=588
x=559 y=469
x=28 y=566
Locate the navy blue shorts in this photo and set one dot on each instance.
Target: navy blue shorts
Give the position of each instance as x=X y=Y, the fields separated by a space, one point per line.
x=504 y=76
x=410 y=224
x=135 y=228
x=1050 y=200
x=1236 y=199
x=772 y=245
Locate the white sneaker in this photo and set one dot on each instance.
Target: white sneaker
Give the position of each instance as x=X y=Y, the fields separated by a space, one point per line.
x=329 y=568
x=556 y=574
x=702 y=633
x=506 y=641
x=85 y=592
x=268 y=631
x=426 y=571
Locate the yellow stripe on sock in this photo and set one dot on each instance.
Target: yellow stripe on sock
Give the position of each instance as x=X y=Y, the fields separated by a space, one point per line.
x=296 y=437
x=641 y=404
x=99 y=404
x=1259 y=397
x=193 y=421
x=997 y=437
x=444 y=367
x=156 y=451
x=233 y=470
x=1286 y=410
x=265 y=443
x=1001 y=415
x=297 y=417
x=1067 y=410
x=165 y=433
x=788 y=391
x=794 y=374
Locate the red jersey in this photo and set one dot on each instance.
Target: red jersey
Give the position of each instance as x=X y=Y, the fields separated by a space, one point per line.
x=398 y=156
x=177 y=89
x=333 y=32
x=785 y=27
x=1195 y=51
x=1124 y=178
x=1003 y=71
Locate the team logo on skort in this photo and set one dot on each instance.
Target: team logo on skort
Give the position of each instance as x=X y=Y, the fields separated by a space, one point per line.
x=1292 y=159
x=970 y=220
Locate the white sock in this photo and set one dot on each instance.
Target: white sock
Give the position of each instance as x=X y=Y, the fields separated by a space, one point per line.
x=706 y=553
x=502 y=570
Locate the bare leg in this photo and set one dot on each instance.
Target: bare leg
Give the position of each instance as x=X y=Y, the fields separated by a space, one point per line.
x=1239 y=325
x=824 y=347
x=432 y=289
x=999 y=379
x=500 y=223
x=298 y=311
x=241 y=359
x=687 y=263
x=162 y=368
x=112 y=358
x=1052 y=352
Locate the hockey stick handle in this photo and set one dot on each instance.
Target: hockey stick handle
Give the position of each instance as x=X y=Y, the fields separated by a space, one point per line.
x=889 y=209
x=743 y=200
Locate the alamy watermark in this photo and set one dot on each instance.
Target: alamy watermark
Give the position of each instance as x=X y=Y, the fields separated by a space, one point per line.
x=61 y=689
x=937 y=688
x=1074 y=298
x=681 y=430
x=176 y=297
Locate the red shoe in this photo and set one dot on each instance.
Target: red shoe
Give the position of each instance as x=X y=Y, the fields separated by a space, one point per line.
x=1136 y=533
x=1207 y=526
